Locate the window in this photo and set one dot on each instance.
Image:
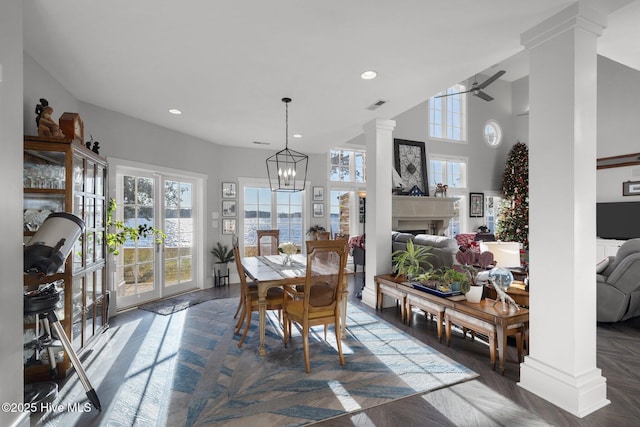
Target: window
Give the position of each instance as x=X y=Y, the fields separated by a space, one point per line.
x=491 y=211
x=451 y=171
x=262 y=209
x=447 y=115
x=448 y=170
x=492 y=133
x=347 y=166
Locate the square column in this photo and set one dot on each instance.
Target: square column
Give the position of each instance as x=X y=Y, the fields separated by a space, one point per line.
x=561 y=365
x=379 y=141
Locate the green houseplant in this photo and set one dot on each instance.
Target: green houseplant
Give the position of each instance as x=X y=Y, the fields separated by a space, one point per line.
x=411 y=261
x=224 y=256
x=118 y=232
x=313 y=231
x=223 y=253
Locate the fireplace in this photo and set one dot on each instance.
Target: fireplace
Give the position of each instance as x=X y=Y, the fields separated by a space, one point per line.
x=428 y=215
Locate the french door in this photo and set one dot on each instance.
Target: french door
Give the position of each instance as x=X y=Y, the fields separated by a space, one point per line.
x=148 y=269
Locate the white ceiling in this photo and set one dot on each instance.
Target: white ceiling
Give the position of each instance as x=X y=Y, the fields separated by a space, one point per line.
x=227 y=63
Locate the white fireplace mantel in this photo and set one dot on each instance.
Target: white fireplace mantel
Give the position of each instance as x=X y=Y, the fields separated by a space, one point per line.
x=430 y=214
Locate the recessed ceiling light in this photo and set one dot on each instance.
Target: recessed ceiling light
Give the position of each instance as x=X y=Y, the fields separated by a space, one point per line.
x=175 y=111
x=368 y=75
x=297 y=135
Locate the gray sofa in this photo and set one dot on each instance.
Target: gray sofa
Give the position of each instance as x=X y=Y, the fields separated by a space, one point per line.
x=443 y=249
x=618 y=286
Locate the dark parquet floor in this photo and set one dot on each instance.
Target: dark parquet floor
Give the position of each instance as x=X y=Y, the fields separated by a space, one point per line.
x=496 y=400
x=493 y=399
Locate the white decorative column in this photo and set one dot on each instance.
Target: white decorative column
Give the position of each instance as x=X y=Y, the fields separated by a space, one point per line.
x=561 y=365
x=379 y=140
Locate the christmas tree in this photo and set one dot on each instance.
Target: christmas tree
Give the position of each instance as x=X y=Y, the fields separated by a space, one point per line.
x=513 y=219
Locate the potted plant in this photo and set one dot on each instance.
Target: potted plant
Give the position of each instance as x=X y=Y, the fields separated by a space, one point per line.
x=118 y=232
x=313 y=231
x=224 y=256
x=411 y=261
x=468 y=260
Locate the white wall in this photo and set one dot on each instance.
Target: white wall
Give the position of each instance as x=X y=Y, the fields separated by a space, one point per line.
x=618 y=113
x=11 y=225
x=40 y=84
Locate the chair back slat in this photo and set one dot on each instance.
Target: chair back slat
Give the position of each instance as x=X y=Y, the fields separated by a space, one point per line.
x=326 y=261
x=268 y=242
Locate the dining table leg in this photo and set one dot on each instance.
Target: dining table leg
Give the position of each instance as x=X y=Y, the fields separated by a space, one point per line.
x=262 y=315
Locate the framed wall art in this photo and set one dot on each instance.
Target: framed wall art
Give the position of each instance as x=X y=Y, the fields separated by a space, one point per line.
x=318 y=210
x=411 y=164
x=229 y=190
x=318 y=194
x=631 y=188
x=228 y=208
x=476 y=205
x=228 y=225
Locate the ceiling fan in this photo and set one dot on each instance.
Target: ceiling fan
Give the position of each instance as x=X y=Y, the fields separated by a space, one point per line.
x=476 y=88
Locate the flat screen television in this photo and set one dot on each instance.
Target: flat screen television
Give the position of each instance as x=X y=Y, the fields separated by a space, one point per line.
x=618 y=220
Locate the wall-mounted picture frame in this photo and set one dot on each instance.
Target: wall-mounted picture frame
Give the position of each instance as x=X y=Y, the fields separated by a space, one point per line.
x=476 y=205
x=631 y=188
x=318 y=194
x=318 y=210
x=228 y=225
x=229 y=190
x=411 y=164
x=228 y=208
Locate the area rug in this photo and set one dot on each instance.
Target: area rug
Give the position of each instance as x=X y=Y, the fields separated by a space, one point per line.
x=217 y=383
x=172 y=305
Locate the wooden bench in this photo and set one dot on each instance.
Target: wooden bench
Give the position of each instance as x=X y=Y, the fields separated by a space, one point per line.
x=484 y=317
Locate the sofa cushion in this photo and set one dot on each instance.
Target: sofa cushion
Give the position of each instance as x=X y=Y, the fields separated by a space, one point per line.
x=402 y=237
x=435 y=241
x=601 y=265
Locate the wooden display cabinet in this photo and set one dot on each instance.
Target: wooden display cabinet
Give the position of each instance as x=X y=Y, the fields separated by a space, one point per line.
x=62 y=176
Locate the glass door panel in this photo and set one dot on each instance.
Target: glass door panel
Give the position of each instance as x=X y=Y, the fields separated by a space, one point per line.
x=136 y=263
x=178 y=226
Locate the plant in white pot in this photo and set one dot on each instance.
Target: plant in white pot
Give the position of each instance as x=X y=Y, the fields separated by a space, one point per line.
x=224 y=255
x=468 y=260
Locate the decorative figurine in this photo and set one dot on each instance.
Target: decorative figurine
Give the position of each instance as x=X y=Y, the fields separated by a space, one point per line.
x=501 y=279
x=441 y=190
x=46 y=126
x=96 y=145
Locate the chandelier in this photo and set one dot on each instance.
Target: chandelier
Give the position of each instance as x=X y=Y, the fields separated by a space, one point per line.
x=287 y=169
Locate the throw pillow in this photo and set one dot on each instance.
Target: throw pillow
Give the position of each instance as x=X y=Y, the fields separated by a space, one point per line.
x=601 y=265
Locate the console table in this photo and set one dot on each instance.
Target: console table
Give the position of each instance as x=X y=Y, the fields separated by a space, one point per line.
x=483 y=317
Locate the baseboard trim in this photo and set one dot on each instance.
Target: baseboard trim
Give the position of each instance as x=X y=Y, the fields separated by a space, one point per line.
x=580 y=395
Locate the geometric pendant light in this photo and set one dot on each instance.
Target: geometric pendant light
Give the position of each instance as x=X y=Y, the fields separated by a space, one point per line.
x=287 y=169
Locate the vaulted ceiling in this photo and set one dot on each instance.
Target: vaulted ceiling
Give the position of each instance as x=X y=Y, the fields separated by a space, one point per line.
x=227 y=63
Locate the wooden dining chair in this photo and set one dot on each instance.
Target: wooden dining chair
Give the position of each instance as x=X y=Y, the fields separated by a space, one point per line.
x=252 y=285
x=322 y=298
x=249 y=297
x=341 y=236
x=323 y=235
x=268 y=242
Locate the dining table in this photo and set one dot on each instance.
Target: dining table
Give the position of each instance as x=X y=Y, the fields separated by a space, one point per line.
x=269 y=271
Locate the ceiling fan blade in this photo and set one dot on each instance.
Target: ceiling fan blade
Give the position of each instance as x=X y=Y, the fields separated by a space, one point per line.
x=491 y=79
x=482 y=95
x=451 y=94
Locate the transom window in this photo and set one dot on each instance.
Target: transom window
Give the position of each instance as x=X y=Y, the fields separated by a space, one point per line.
x=347 y=166
x=448 y=170
x=447 y=115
